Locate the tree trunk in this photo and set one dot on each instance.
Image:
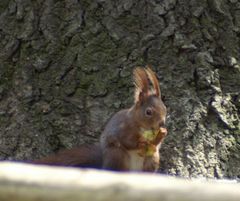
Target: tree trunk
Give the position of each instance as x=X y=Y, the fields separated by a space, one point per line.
x=65 y=68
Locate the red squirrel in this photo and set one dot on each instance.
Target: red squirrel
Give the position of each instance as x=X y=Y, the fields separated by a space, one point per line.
x=131 y=138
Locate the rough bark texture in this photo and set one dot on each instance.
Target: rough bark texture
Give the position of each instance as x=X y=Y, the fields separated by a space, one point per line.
x=65 y=68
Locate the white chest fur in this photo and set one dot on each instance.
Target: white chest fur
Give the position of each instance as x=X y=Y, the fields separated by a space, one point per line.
x=136 y=161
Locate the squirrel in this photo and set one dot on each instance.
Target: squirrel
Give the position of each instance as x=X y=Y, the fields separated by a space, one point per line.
x=131 y=138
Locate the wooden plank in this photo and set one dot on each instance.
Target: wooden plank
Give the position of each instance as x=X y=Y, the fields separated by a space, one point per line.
x=25 y=182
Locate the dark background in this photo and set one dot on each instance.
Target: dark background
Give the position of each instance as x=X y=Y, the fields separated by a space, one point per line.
x=66 y=67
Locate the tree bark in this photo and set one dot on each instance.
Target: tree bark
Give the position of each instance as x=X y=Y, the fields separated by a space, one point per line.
x=65 y=68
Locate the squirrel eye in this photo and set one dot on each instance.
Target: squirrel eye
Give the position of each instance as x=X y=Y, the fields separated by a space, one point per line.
x=148 y=112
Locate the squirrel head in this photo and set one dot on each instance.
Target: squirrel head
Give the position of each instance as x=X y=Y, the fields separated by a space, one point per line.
x=149 y=109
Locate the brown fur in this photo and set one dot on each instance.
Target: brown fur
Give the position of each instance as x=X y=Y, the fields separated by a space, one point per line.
x=83 y=156
x=151 y=163
x=115 y=158
x=122 y=134
x=153 y=78
x=122 y=138
x=141 y=83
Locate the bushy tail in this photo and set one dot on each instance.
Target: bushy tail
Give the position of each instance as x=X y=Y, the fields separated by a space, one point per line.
x=86 y=156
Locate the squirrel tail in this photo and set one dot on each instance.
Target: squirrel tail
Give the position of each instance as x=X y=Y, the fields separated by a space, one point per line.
x=85 y=156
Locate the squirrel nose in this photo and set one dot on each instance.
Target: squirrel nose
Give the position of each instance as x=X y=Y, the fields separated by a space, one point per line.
x=161 y=123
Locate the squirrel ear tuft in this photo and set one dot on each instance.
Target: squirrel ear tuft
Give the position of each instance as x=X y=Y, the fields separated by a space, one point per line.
x=141 y=84
x=152 y=77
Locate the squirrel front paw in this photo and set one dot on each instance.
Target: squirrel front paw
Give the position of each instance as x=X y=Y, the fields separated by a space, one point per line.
x=146 y=149
x=162 y=132
x=160 y=136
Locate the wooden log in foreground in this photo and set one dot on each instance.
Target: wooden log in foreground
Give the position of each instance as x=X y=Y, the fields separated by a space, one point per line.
x=24 y=182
